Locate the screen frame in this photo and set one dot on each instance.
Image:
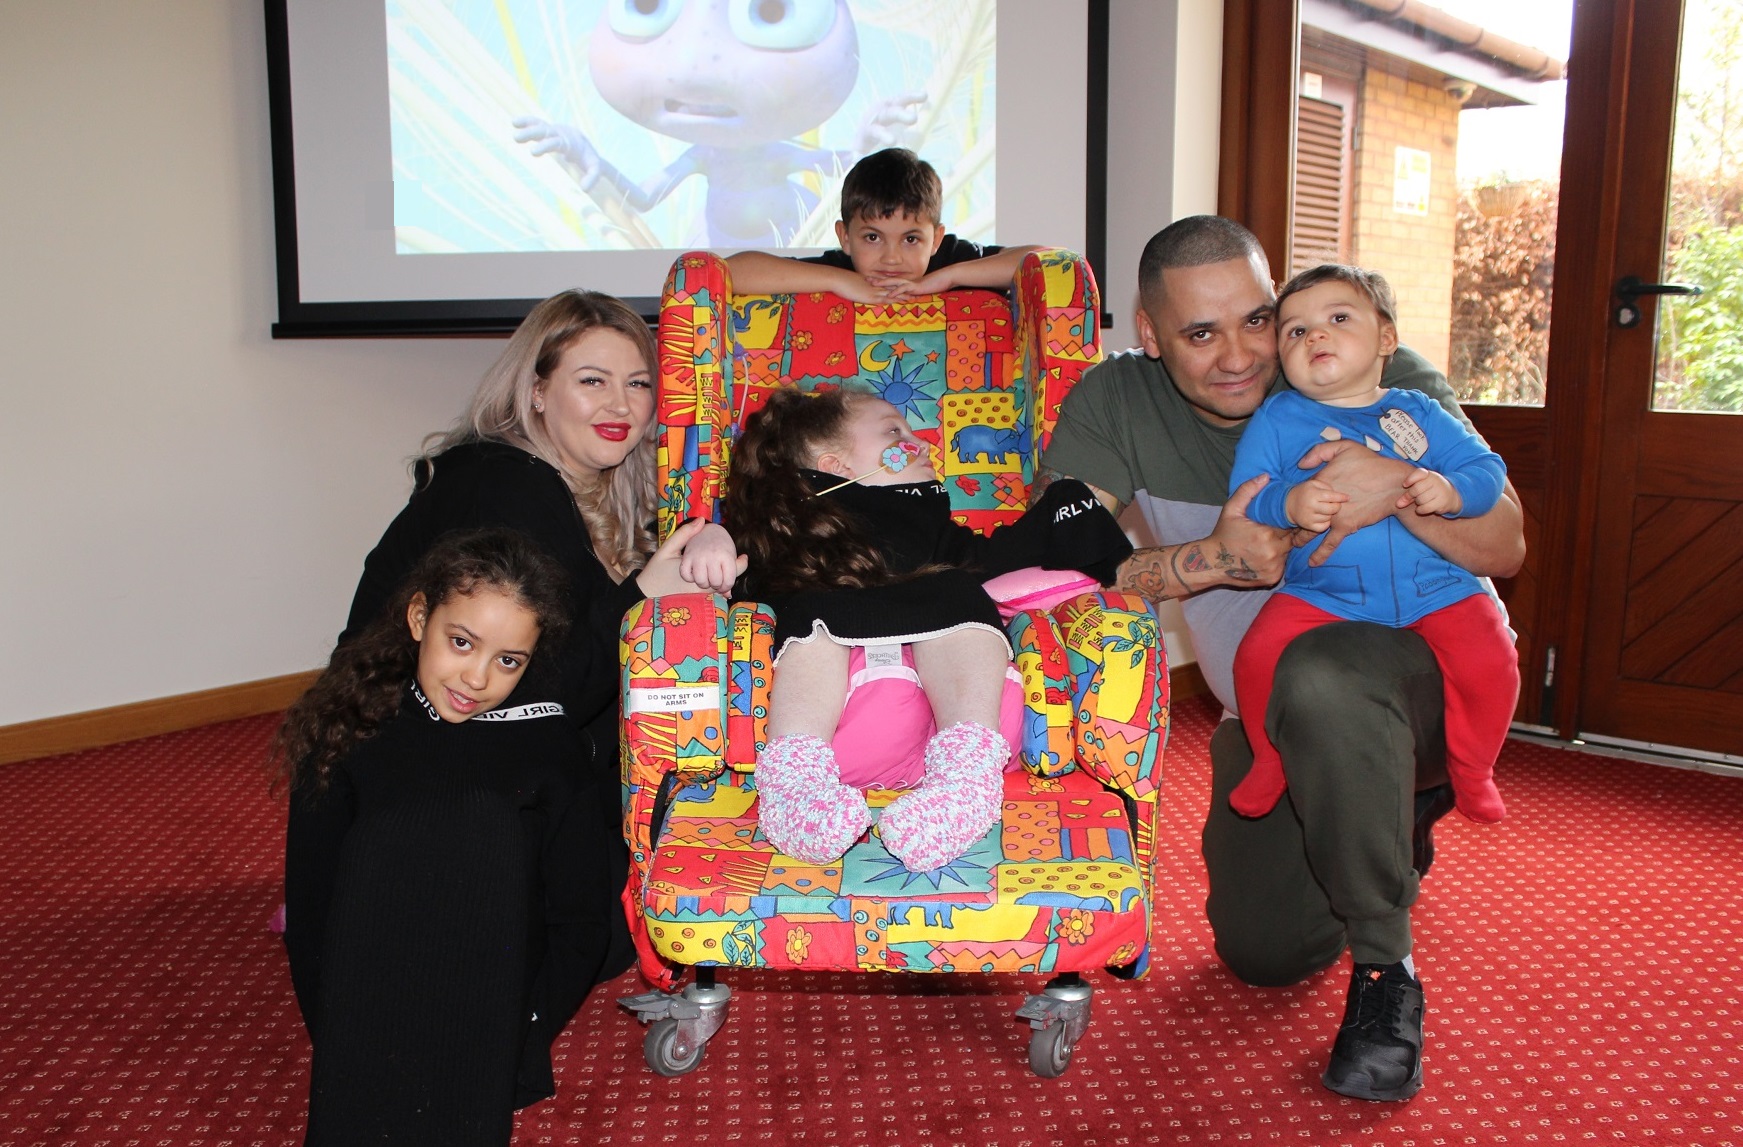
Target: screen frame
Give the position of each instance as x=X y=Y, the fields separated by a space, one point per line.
x=298 y=318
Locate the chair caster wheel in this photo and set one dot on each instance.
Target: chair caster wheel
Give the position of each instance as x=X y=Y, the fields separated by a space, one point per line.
x=666 y=1050
x=1050 y=1051
x=1058 y=1016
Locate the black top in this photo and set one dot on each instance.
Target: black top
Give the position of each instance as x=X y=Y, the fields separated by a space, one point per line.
x=443 y=918
x=952 y=250
x=481 y=484
x=910 y=524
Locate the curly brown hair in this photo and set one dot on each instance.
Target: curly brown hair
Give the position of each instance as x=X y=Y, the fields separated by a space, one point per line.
x=361 y=687
x=794 y=540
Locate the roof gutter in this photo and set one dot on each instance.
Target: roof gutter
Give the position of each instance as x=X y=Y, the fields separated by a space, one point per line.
x=1532 y=62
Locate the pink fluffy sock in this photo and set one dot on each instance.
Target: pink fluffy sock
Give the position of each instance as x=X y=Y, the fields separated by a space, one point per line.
x=802 y=807
x=957 y=802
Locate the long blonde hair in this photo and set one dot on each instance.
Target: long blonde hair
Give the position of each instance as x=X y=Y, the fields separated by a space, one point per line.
x=618 y=504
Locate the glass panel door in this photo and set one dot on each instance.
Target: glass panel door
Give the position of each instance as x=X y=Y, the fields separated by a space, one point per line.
x=1699 y=365
x=1449 y=120
x=1664 y=628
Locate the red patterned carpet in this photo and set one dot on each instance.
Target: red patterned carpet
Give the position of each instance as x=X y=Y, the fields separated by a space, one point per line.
x=1581 y=963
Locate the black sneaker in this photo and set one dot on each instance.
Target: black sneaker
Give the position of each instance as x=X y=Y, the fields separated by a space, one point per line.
x=1378 y=1053
x=1431 y=805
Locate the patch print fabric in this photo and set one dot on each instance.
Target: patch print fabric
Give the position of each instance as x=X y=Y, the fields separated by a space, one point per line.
x=1064 y=881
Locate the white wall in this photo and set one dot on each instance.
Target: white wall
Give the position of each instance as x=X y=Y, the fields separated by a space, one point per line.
x=1162 y=134
x=185 y=503
x=1162 y=158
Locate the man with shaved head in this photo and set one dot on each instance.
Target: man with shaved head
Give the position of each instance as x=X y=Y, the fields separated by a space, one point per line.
x=1357 y=709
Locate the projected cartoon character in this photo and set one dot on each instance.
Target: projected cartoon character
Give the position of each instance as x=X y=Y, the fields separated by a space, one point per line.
x=738 y=79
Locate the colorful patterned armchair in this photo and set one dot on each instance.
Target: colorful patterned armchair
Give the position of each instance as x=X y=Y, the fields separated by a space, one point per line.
x=1063 y=884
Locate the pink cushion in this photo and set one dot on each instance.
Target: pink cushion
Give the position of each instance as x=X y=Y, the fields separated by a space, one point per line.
x=887 y=720
x=1036 y=588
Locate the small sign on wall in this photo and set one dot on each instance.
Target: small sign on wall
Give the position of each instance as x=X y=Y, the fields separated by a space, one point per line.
x=1411 y=168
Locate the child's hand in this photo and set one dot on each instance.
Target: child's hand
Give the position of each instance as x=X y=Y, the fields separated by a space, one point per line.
x=664 y=572
x=1431 y=493
x=1312 y=505
x=710 y=560
x=936 y=283
x=857 y=288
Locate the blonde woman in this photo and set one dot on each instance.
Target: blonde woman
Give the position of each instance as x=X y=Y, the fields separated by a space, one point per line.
x=559 y=445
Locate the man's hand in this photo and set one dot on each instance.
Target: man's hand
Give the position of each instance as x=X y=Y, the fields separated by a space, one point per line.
x=1313 y=504
x=1492 y=545
x=1238 y=552
x=1430 y=493
x=1242 y=551
x=1373 y=484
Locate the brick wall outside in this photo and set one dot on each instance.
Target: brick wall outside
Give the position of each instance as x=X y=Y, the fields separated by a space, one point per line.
x=1414 y=252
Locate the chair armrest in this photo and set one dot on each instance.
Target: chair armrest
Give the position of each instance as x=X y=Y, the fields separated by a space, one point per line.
x=1118 y=668
x=674 y=654
x=1047 y=748
x=695 y=400
x=1056 y=313
x=750 y=626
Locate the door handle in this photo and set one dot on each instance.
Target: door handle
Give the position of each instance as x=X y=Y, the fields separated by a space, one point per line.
x=1631 y=288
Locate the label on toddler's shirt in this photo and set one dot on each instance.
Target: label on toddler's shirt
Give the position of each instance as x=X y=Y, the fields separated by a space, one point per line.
x=1406 y=436
x=672 y=699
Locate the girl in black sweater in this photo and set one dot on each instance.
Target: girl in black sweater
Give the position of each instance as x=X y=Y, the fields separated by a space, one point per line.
x=438 y=855
x=848 y=533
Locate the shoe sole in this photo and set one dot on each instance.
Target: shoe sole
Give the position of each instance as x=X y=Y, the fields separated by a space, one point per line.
x=1405 y=1090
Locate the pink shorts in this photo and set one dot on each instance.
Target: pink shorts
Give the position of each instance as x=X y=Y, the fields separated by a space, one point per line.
x=880 y=742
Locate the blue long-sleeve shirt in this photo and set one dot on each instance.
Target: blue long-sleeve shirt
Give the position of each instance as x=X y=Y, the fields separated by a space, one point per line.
x=1383 y=572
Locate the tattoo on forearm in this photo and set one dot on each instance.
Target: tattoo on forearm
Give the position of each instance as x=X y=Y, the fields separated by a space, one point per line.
x=1162 y=572
x=1145 y=574
x=1234 y=566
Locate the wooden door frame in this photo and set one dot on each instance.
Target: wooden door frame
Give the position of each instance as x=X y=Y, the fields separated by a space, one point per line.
x=1588 y=231
x=1256 y=166
x=1260 y=61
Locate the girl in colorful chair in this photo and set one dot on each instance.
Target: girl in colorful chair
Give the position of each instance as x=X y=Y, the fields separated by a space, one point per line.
x=892 y=668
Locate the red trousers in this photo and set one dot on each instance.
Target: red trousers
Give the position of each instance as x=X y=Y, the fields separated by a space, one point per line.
x=1478 y=664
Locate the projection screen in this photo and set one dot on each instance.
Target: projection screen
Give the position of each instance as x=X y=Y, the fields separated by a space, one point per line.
x=440 y=165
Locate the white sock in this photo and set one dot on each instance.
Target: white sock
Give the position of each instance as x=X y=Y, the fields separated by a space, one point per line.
x=1410 y=965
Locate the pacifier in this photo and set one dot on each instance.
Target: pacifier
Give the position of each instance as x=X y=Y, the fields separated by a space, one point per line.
x=897 y=457
x=895 y=460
